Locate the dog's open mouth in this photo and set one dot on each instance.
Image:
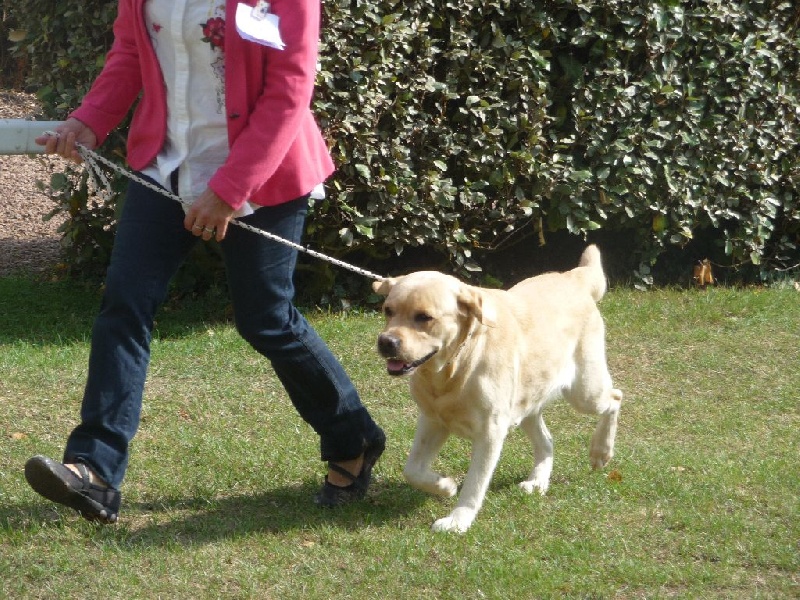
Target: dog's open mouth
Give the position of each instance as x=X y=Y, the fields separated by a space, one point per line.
x=398 y=367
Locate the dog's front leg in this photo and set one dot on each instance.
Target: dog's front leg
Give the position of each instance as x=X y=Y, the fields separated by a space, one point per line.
x=428 y=440
x=485 y=454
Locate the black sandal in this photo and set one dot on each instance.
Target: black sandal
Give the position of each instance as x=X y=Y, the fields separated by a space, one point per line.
x=331 y=496
x=56 y=482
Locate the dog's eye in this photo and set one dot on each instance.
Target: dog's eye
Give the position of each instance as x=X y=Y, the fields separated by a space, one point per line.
x=423 y=318
x=388 y=312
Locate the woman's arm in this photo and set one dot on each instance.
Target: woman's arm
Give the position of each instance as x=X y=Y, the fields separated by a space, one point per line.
x=283 y=108
x=119 y=83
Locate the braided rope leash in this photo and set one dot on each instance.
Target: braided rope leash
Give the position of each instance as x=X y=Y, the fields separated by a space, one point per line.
x=93 y=161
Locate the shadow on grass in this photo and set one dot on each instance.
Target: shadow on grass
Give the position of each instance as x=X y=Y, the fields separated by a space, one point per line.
x=198 y=521
x=45 y=312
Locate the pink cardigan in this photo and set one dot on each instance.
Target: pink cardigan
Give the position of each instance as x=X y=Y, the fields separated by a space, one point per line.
x=277 y=152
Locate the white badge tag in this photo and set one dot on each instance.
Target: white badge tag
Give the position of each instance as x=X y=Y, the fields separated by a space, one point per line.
x=259 y=25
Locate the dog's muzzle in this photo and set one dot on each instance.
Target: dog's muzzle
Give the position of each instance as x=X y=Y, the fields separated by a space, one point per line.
x=389 y=347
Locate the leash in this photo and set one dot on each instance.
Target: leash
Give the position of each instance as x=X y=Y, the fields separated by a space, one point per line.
x=93 y=161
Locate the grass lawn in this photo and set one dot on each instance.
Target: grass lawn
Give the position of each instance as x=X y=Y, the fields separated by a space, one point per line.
x=701 y=501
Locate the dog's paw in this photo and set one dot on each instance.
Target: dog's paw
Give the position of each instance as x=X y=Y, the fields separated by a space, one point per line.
x=457 y=521
x=539 y=480
x=600 y=455
x=444 y=487
x=534 y=485
x=447 y=487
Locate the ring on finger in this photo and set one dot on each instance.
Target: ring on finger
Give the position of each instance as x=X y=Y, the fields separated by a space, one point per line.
x=198 y=227
x=207 y=230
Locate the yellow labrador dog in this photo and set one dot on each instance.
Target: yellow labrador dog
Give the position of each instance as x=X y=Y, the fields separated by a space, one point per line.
x=483 y=361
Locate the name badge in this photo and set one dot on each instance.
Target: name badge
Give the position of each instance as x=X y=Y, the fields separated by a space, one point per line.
x=257 y=24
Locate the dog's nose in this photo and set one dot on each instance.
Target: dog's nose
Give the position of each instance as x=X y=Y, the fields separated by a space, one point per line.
x=388 y=345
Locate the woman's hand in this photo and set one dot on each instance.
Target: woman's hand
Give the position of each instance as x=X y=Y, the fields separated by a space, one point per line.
x=69 y=133
x=209 y=216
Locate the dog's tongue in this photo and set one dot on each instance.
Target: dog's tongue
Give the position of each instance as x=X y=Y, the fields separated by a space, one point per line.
x=395 y=366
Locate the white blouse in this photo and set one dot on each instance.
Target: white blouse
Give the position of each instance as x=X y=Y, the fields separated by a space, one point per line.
x=188 y=38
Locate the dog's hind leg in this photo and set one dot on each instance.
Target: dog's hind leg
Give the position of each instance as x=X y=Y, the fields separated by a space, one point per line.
x=542 y=442
x=601 y=450
x=598 y=398
x=428 y=440
x=592 y=392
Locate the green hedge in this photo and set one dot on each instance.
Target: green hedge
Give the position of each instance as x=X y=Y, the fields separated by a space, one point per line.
x=462 y=125
x=64 y=50
x=459 y=123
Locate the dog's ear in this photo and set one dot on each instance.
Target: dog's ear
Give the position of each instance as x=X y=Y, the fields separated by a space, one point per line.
x=384 y=286
x=479 y=304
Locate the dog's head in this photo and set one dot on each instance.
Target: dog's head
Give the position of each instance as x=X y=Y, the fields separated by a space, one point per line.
x=427 y=314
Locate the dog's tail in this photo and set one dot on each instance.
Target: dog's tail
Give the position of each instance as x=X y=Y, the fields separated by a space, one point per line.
x=592 y=270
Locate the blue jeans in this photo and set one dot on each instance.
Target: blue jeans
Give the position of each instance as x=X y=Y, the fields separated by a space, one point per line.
x=150 y=245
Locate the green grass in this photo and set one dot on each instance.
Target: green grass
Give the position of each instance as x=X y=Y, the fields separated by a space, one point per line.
x=702 y=502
